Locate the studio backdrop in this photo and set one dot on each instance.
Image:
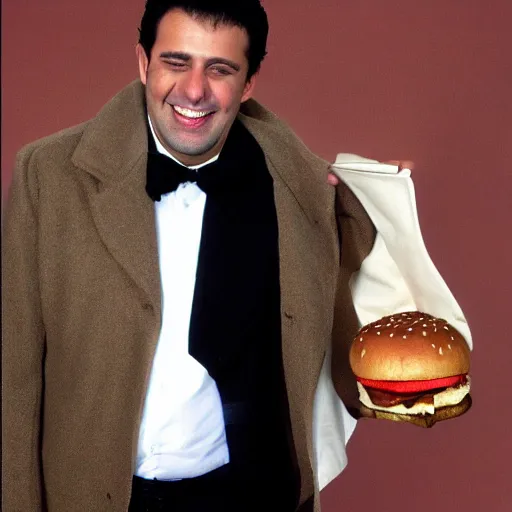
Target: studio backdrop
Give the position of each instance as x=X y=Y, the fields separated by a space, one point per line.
x=429 y=82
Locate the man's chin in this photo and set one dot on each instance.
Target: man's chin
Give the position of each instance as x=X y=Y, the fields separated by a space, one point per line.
x=193 y=153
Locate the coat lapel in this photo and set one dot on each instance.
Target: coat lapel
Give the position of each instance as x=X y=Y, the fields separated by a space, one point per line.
x=288 y=159
x=303 y=200
x=113 y=149
x=309 y=256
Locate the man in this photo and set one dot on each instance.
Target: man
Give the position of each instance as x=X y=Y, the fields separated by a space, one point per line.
x=165 y=327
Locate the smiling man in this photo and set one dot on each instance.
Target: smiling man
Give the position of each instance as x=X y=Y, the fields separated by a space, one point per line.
x=170 y=275
x=196 y=76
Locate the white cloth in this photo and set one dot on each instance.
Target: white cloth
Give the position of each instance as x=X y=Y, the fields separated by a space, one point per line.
x=182 y=432
x=398 y=275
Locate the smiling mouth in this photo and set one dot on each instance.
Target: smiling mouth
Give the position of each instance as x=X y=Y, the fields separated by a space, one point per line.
x=191 y=114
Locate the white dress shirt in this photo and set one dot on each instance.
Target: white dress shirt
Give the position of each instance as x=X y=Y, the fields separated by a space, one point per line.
x=182 y=432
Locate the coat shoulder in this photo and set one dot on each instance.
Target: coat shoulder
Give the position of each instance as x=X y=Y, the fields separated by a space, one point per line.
x=46 y=156
x=109 y=121
x=58 y=146
x=284 y=137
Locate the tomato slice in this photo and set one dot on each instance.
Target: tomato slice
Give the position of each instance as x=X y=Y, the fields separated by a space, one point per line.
x=413 y=386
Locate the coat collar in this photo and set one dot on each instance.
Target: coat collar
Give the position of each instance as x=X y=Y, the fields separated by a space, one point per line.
x=116 y=140
x=287 y=157
x=113 y=149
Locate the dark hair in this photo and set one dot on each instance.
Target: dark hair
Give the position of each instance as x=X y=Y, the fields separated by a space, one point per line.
x=246 y=14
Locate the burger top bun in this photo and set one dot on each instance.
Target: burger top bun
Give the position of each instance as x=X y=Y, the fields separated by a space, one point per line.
x=409 y=346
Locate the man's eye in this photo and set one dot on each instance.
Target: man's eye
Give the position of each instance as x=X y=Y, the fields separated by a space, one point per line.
x=177 y=65
x=221 y=71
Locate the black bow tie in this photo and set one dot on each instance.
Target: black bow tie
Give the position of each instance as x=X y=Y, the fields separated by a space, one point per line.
x=164 y=175
x=236 y=170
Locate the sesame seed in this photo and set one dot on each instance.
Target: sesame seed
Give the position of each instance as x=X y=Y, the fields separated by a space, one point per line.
x=422 y=318
x=388 y=325
x=424 y=333
x=440 y=351
x=363 y=352
x=404 y=336
x=433 y=345
x=424 y=325
x=452 y=338
x=435 y=329
x=380 y=325
x=410 y=329
x=450 y=347
x=446 y=327
x=361 y=338
x=391 y=335
x=378 y=333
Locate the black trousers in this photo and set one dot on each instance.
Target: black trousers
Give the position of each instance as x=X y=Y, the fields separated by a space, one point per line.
x=218 y=491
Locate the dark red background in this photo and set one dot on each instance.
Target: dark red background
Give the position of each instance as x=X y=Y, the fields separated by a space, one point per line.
x=426 y=81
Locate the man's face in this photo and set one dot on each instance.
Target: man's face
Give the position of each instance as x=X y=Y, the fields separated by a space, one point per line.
x=195 y=82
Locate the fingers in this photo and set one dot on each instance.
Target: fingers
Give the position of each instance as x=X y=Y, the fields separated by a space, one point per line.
x=402 y=164
x=332 y=179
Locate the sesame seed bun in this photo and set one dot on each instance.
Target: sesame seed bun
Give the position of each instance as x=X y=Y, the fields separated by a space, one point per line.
x=409 y=346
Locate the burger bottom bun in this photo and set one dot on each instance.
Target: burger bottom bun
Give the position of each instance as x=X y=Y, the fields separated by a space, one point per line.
x=421 y=420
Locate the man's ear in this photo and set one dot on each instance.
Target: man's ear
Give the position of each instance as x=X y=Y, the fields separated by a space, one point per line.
x=248 y=88
x=143 y=61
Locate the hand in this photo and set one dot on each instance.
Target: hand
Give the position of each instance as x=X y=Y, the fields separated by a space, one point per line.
x=333 y=180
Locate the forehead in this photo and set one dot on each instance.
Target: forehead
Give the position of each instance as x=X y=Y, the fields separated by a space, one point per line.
x=180 y=32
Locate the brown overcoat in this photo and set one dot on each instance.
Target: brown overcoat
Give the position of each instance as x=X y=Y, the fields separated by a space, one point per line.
x=81 y=302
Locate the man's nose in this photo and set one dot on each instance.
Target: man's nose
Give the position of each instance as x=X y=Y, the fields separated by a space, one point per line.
x=195 y=86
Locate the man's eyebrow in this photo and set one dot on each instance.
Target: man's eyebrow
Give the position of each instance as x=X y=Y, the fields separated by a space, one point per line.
x=175 y=55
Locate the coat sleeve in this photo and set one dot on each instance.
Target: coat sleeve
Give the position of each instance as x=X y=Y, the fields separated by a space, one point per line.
x=23 y=343
x=357 y=237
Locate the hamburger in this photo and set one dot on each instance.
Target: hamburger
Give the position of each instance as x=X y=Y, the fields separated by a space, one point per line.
x=411 y=367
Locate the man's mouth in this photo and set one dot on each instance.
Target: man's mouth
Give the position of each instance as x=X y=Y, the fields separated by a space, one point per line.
x=191 y=114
